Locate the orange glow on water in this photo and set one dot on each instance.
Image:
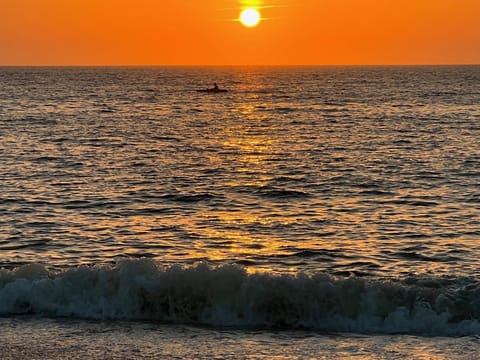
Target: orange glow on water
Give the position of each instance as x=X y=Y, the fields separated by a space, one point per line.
x=127 y=32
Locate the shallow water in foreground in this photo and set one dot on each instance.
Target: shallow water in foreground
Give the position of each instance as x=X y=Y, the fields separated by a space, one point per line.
x=27 y=338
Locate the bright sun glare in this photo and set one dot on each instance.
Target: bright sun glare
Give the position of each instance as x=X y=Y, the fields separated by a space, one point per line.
x=250 y=17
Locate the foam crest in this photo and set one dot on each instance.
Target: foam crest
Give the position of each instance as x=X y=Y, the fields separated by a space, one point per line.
x=229 y=296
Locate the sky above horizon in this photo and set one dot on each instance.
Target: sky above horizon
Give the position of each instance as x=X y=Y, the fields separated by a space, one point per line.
x=208 y=32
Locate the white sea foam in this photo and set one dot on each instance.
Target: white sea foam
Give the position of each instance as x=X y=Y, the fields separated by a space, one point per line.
x=229 y=296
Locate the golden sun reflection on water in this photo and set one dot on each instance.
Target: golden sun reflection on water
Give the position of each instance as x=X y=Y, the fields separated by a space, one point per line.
x=306 y=168
x=243 y=233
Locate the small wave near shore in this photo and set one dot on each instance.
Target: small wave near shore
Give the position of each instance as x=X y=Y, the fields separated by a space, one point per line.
x=229 y=296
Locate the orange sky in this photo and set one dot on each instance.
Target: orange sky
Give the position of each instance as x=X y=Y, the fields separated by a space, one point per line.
x=202 y=32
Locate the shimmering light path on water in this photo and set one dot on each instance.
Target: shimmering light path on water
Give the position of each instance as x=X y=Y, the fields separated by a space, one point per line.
x=371 y=171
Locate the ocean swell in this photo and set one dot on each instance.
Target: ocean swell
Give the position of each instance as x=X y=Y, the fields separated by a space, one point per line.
x=228 y=296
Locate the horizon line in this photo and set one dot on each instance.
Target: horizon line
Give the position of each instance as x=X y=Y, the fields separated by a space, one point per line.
x=236 y=65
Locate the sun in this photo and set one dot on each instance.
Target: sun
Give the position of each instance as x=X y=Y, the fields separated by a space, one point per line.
x=250 y=17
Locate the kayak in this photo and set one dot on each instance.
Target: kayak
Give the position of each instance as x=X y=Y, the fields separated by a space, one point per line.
x=213 y=91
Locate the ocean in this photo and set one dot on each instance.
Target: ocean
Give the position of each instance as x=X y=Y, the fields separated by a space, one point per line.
x=308 y=212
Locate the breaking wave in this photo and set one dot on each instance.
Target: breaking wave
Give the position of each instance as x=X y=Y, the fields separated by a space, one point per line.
x=228 y=296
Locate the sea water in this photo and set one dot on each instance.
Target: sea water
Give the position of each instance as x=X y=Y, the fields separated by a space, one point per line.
x=308 y=212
